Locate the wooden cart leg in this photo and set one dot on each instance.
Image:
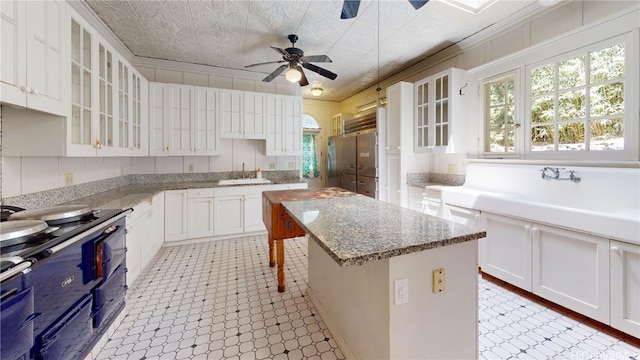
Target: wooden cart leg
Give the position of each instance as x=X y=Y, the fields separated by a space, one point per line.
x=272 y=252
x=280 y=251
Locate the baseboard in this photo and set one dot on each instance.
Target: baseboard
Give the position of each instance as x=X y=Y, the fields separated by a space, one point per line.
x=331 y=326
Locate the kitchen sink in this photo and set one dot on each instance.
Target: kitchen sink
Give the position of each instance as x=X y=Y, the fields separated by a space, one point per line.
x=243 y=182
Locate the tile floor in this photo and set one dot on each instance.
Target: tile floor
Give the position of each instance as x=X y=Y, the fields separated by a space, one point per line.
x=218 y=300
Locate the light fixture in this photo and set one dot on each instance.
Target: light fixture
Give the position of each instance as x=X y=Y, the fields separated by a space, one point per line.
x=293 y=75
x=316 y=91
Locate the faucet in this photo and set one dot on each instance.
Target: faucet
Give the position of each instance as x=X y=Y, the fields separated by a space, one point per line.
x=555 y=173
x=243 y=170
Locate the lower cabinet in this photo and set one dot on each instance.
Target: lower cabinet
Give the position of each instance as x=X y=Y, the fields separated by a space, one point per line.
x=144 y=238
x=414 y=198
x=199 y=213
x=571 y=269
x=175 y=215
x=253 y=213
x=625 y=287
x=228 y=213
x=506 y=251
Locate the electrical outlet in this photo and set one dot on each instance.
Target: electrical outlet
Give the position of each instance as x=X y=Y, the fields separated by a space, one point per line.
x=190 y=167
x=401 y=290
x=438 y=280
x=68 y=179
x=272 y=166
x=451 y=168
x=292 y=165
x=121 y=170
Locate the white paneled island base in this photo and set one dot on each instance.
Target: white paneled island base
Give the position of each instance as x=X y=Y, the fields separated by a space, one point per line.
x=357 y=304
x=360 y=247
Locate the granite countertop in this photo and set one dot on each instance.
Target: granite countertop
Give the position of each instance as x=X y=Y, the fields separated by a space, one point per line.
x=131 y=195
x=359 y=229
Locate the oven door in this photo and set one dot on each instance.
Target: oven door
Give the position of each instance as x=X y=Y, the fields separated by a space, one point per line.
x=110 y=250
x=69 y=337
x=109 y=297
x=16 y=318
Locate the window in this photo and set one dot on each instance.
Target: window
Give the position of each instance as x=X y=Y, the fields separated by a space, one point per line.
x=573 y=105
x=309 y=149
x=577 y=103
x=499 y=100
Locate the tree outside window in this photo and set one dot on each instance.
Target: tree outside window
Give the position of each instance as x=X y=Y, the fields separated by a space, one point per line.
x=577 y=104
x=499 y=115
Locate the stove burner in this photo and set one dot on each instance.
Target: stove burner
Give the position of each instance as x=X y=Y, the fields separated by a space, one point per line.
x=55 y=215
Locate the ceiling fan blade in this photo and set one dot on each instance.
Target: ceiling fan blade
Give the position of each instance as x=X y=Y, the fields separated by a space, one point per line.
x=350 y=9
x=324 y=72
x=265 y=63
x=315 y=58
x=274 y=74
x=280 y=51
x=303 y=80
x=417 y=4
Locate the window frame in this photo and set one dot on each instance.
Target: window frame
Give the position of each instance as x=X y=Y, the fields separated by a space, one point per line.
x=580 y=42
x=518 y=116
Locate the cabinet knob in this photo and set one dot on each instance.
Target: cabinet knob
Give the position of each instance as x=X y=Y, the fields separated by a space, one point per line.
x=398 y=147
x=166 y=148
x=34 y=92
x=24 y=88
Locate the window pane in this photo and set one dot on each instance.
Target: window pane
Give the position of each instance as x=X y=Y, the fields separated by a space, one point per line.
x=571 y=136
x=607 y=99
x=511 y=92
x=542 y=79
x=510 y=118
x=497 y=94
x=542 y=109
x=571 y=105
x=571 y=73
x=542 y=138
x=607 y=64
x=496 y=141
x=496 y=118
x=607 y=134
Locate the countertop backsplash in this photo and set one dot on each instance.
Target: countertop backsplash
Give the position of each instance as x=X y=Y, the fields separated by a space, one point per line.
x=68 y=194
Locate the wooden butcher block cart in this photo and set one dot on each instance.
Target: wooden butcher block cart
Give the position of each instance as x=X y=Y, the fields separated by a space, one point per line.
x=280 y=226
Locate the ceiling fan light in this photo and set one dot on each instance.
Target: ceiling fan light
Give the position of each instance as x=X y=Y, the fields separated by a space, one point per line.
x=316 y=91
x=293 y=75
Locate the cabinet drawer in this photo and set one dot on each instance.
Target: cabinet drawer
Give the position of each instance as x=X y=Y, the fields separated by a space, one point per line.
x=200 y=193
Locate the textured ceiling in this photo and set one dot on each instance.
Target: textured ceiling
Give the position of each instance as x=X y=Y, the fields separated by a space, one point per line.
x=386 y=36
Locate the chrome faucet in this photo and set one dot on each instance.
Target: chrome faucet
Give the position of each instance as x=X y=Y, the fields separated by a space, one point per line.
x=549 y=173
x=555 y=173
x=243 y=170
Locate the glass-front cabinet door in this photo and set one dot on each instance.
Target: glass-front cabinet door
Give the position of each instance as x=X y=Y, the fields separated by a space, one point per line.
x=105 y=95
x=439 y=120
x=82 y=131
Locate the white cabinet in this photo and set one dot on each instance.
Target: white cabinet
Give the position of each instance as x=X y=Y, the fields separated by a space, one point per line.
x=414 y=200
x=253 y=115
x=283 y=125
x=625 y=287
x=34 y=55
x=231 y=114
x=199 y=213
x=432 y=205
x=144 y=238
x=337 y=123
x=398 y=151
x=571 y=269
x=183 y=121
x=506 y=251
x=439 y=122
x=228 y=214
x=175 y=215
x=106 y=113
x=238 y=209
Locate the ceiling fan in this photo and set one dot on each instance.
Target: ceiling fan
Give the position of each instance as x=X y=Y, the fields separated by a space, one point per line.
x=350 y=7
x=295 y=58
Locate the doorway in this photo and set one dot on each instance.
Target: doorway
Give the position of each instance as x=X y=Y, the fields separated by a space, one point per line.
x=312 y=157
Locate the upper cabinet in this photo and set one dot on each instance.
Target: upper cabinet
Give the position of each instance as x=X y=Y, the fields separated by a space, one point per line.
x=283 y=125
x=184 y=120
x=106 y=112
x=34 y=52
x=242 y=115
x=439 y=125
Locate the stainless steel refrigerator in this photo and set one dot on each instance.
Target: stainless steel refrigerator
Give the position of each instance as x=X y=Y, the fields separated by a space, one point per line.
x=353 y=162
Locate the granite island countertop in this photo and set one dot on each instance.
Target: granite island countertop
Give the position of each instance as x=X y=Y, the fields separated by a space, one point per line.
x=356 y=230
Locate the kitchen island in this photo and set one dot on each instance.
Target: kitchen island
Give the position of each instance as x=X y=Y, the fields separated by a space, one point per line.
x=361 y=250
